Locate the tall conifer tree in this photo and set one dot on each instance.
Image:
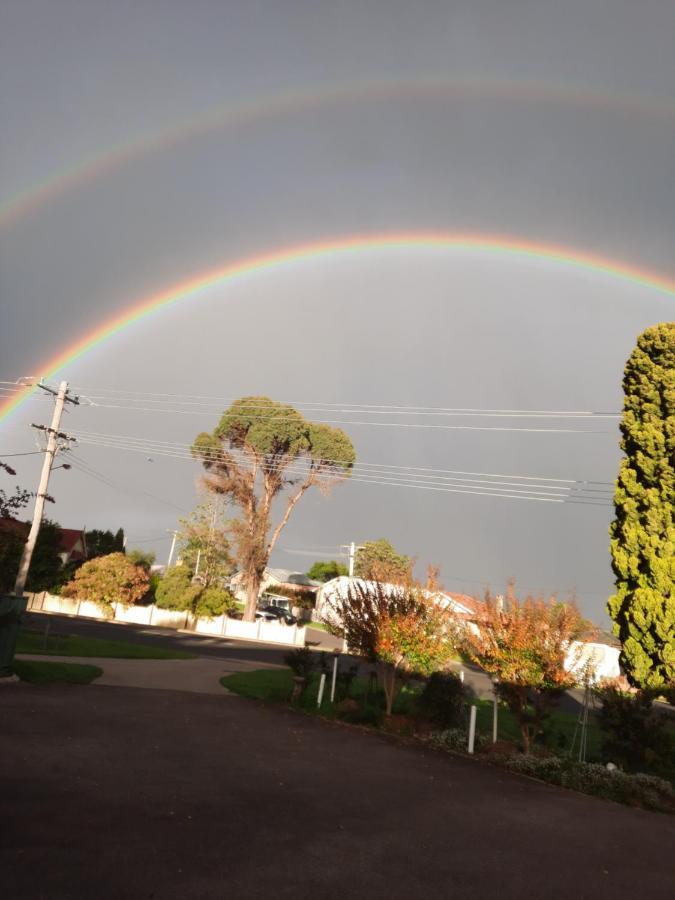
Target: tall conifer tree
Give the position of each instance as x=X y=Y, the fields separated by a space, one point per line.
x=643 y=531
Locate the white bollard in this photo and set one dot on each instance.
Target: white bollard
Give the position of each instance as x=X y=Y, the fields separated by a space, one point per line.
x=461 y=675
x=322 y=685
x=472 y=729
x=494 y=720
x=332 y=687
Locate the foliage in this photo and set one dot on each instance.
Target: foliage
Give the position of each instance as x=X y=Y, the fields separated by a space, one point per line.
x=103 y=543
x=443 y=699
x=326 y=571
x=646 y=791
x=301 y=662
x=457 y=739
x=302 y=597
x=107 y=580
x=203 y=537
x=215 y=601
x=379 y=561
x=643 y=531
x=525 y=646
x=45 y=568
x=144 y=558
x=635 y=735
x=258 y=450
x=10 y=504
x=176 y=590
x=399 y=627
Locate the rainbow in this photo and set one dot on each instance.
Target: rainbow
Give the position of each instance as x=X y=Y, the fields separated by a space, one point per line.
x=191 y=288
x=297 y=102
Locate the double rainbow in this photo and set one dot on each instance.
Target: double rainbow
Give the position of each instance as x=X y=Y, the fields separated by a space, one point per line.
x=192 y=288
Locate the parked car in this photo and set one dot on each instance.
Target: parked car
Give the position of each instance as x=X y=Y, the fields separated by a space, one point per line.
x=271 y=613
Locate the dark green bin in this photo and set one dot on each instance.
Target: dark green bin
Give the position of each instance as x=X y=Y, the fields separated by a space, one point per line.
x=11 y=611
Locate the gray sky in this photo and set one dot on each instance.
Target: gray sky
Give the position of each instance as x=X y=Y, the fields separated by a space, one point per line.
x=536 y=153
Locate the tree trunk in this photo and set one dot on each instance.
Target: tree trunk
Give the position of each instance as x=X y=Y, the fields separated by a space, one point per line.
x=525 y=733
x=252 y=591
x=388 y=676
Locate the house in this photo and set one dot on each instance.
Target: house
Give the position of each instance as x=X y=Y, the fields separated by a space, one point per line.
x=461 y=605
x=73 y=546
x=73 y=543
x=275 y=578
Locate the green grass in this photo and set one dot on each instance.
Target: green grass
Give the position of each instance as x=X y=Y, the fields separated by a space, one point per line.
x=77 y=645
x=275 y=685
x=55 y=672
x=559 y=728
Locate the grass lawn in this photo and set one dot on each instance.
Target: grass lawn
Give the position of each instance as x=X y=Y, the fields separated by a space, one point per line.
x=275 y=685
x=77 y=645
x=55 y=672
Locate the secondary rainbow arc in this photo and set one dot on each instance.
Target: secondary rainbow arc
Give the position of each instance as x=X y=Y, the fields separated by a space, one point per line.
x=496 y=245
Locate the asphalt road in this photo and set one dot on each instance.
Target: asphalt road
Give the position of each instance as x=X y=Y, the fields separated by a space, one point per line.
x=121 y=793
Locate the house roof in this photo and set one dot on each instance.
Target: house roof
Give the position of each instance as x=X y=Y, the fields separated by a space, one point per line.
x=69 y=537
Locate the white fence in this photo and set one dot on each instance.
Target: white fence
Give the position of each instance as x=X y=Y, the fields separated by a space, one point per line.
x=221 y=626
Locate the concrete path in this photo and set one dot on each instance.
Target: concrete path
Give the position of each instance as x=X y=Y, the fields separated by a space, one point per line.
x=198 y=676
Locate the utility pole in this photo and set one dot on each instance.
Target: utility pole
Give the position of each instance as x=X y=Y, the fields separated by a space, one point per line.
x=52 y=446
x=352 y=548
x=173 y=547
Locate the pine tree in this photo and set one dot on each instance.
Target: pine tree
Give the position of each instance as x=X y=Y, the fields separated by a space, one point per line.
x=643 y=531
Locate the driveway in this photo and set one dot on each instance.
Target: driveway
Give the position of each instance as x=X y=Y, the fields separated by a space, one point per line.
x=112 y=792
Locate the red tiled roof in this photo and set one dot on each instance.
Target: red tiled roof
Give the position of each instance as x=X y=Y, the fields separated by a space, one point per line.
x=69 y=537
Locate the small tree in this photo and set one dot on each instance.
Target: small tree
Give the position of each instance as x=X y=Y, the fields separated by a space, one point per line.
x=103 y=543
x=203 y=537
x=416 y=643
x=326 y=571
x=144 y=558
x=527 y=647
x=399 y=627
x=108 y=580
x=379 y=561
x=258 y=450
x=643 y=532
x=46 y=566
x=176 y=591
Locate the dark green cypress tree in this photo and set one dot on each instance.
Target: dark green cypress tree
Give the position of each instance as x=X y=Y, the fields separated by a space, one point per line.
x=643 y=531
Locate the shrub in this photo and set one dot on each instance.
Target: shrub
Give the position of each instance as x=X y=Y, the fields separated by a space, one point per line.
x=635 y=735
x=301 y=662
x=215 y=601
x=590 y=778
x=443 y=700
x=107 y=580
x=367 y=714
x=176 y=591
x=457 y=739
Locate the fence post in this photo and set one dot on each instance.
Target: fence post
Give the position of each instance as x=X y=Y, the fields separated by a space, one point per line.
x=472 y=729
x=335 y=668
x=322 y=685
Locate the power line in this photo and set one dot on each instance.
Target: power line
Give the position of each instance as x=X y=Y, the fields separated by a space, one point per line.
x=158 y=446
x=84 y=467
x=488 y=488
x=195 y=398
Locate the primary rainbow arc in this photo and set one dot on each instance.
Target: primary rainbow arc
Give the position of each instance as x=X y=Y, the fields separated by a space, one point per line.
x=495 y=245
